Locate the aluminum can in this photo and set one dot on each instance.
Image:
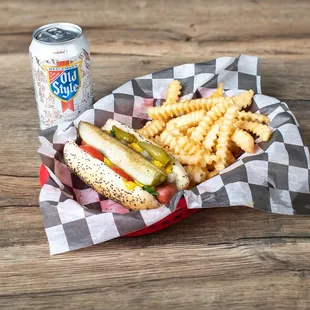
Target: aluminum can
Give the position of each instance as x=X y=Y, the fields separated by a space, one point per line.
x=61 y=71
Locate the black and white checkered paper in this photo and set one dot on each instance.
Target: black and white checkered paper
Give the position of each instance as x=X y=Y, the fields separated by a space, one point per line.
x=274 y=179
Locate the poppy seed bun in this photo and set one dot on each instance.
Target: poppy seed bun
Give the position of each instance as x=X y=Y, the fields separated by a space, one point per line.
x=180 y=175
x=104 y=180
x=122 y=156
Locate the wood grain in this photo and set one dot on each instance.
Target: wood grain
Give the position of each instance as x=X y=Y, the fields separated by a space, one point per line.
x=160 y=34
x=223 y=258
x=149 y=280
x=223 y=18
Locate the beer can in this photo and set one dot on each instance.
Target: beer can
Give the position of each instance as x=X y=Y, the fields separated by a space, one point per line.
x=61 y=71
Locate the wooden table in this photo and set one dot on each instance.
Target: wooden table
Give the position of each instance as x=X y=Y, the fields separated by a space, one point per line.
x=228 y=258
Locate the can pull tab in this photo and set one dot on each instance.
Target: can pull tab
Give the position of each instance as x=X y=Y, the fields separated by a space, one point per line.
x=56 y=33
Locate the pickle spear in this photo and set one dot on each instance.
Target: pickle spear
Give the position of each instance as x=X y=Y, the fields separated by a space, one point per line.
x=156 y=152
x=121 y=155
x=123 y=135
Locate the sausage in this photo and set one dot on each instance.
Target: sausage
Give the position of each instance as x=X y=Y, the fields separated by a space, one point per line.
x=166 y=192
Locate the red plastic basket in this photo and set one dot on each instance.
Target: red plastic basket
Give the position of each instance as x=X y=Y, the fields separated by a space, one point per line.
x=180 y=213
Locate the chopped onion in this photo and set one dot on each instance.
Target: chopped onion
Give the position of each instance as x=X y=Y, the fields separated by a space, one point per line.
x=145 y=154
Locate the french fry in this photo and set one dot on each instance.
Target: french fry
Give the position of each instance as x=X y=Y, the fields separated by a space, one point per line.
x=207 y=159
x=167 y=139
x=244 y=140
x=263 y=131
x=189 y=131
x=173 y=92
x=212 y=115
x=156 y=139
x=202 y=159
x=188 y=159
x=243 y=100
x=235 y=149
x=188 y=120
x=176 y=143
x=153 y=128
x=196 y=174
x=254 y=117
x=170 y=110
x=221 y=163
x=212 y=174
x=176 y=131
x=205 y=135
x=230 y=158
x=210 y=140
x=218 y=92
x=226 y=131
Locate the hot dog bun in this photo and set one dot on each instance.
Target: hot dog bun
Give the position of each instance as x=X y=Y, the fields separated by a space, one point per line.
x=104 y=180
x=124 y=157
x=180 y=175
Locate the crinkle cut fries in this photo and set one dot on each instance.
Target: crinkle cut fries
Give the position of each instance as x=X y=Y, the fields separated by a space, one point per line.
x=205 y=135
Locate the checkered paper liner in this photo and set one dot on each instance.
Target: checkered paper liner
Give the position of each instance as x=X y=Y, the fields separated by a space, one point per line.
x=275 y=178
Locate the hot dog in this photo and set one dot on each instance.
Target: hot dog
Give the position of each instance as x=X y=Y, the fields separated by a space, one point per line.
x=133 y=171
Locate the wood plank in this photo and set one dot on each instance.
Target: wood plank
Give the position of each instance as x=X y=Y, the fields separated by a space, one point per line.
x=245 y=268
x=216 y=277
x=234 y=257
x=146 y=41
x=224 y=18
x=285 y=61
x=218 y=29
x=19 y=191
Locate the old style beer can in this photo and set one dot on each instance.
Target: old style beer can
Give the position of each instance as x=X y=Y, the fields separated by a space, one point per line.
x=61 y=73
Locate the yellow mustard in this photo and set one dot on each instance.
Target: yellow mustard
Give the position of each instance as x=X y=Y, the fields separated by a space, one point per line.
x=168 y=169
x=136 y=147
x=107 y=162
x=157 y=163
x=130 y=185
x=139 y=184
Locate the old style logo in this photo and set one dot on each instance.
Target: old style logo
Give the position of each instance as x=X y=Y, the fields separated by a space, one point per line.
x=64 y=81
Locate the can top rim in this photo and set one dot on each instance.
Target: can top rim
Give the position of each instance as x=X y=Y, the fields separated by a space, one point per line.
x=78 y=30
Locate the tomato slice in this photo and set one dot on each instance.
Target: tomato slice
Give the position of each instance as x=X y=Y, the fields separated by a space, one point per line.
x=92 y=151
x=83 y=142
x=96 y=154
x=122 y=173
